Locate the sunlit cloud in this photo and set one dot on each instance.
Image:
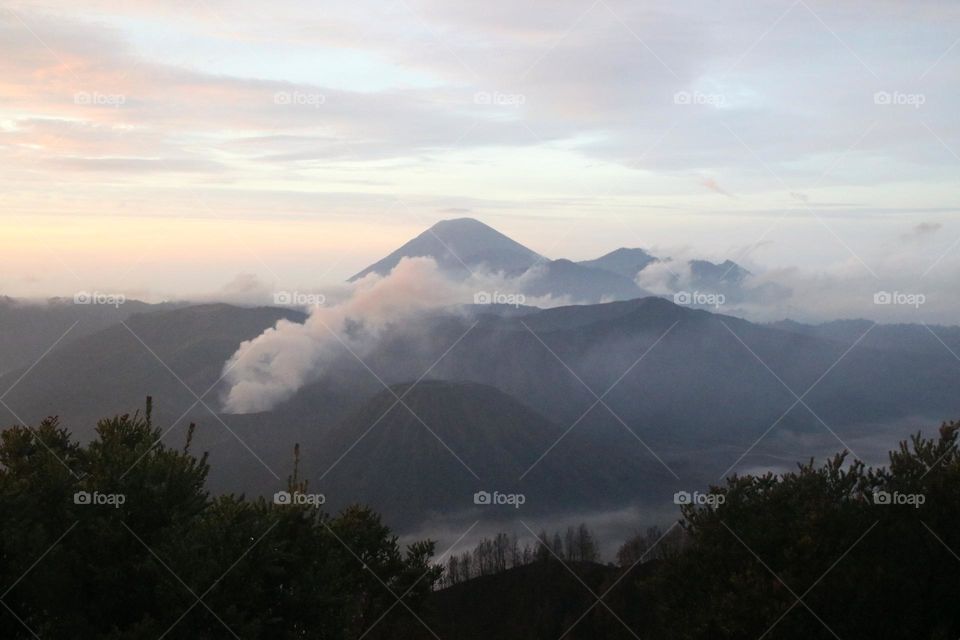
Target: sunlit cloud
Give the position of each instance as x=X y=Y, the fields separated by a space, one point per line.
x=607 y=117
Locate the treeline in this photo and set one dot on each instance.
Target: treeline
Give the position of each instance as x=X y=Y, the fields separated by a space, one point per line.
x=652 y=544
x=835 y=550
x=119 y=539
x=576 y=544
x=504 y=551
x=839 y=550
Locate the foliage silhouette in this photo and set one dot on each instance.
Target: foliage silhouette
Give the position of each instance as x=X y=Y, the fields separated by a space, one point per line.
x=168 y=559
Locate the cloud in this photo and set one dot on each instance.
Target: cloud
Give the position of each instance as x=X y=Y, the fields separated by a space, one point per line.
x=145 y=105
x=923 y=231
x=846 y=291
x=664 y=277
x=352 y=317
x=712 y=184
x=568 y=65
x=243 y=289
x=273 y=366
x=136 y=165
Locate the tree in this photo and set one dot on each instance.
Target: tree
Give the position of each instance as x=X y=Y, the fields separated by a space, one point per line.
x=557 y=546
x=543 y=547
x=871 y=551
x=586 y=545
x=119 y=539
x=571 y=547
x=651 y=545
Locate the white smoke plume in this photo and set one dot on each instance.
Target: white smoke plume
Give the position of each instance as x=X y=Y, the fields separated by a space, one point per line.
x=273 y=366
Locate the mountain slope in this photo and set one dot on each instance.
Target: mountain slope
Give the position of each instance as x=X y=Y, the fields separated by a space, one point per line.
x=539 y=600
x=710 y=274
x=684 y=392
x=916 y=338
x=448 y=440
x=580 y=284
x=28 y=329
x=111 y=371
x=459 y=246
x=623 y=261
x=688 y=376
x=464 y=247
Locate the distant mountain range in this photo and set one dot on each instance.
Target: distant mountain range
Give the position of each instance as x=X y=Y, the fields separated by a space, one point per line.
x=589 y=406
x=27 y=329
x=461 y=247
x=625 y=262
x=160 y=353
x=465 y=248
x=686 y=397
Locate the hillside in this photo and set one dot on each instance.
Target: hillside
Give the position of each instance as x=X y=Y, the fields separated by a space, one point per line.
x=30 y=328
x=623 y=261
x=453 y=439
x=683 y=399
x=540 y=600
x=459 y=246
x=112 y=370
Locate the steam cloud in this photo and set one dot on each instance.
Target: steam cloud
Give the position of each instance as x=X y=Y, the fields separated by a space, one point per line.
x=273 y=366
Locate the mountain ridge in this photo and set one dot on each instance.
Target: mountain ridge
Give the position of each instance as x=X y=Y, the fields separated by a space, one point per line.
x=460 y=245
x=466 y=248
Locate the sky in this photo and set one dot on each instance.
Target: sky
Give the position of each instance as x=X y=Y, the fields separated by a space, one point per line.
x=171 y=149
